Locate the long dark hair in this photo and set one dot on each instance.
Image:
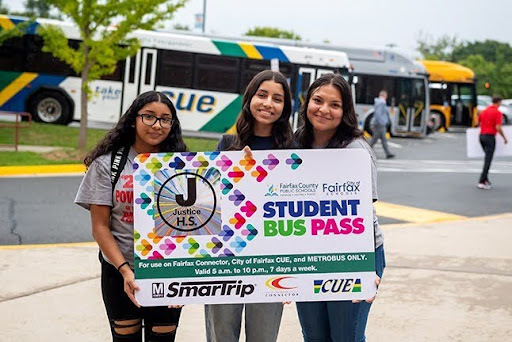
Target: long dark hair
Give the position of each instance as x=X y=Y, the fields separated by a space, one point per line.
x=281 y=129
x=123 y=134
x=348 y=129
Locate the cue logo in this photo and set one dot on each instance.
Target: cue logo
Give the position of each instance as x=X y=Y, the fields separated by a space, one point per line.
x=157 y=290
x=337 y=285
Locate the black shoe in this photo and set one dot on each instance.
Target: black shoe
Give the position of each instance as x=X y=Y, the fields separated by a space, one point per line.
x=389 y=156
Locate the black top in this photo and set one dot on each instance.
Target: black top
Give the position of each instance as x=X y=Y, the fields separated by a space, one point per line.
x=256 y=143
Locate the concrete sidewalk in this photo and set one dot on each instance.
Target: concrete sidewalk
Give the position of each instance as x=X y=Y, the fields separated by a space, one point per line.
x=447 y=281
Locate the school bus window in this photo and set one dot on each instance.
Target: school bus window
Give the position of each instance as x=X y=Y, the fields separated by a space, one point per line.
x=217 y=73
x=176 y=69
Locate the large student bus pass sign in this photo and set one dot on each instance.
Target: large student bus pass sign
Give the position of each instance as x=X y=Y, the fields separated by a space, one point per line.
x=294 y=226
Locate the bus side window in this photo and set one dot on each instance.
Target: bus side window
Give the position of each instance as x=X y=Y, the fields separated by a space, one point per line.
x=217 y=73
x=38 y=61
x=12 y=55
x=175 y=69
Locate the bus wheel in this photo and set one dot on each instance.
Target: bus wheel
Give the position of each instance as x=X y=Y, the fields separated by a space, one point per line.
x=50 y=107
x=437 y=121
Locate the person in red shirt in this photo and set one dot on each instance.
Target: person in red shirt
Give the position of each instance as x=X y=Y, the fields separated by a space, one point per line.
x=490 y=124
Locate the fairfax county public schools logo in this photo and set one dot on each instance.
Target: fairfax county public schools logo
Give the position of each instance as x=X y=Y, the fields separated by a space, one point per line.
x=337 y=285
x=346 y=188
x=292 y=189
x=272 y=191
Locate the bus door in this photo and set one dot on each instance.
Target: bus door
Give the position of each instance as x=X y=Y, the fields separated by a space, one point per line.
x=463 y=104
x=305 y=78
x=131 y=80
x=411 y=105
x=139 y=75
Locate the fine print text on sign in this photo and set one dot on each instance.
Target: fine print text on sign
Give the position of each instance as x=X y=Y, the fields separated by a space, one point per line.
x=294 y=226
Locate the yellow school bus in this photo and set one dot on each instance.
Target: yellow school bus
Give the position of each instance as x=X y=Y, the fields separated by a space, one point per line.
x=452 y=94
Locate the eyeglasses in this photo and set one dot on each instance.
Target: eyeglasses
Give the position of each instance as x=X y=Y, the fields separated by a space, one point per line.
x=150 y=120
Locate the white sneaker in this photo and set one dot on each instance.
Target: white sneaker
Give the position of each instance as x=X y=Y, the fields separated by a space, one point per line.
x=483 y=186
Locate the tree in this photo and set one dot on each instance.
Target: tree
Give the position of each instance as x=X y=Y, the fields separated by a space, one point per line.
x=3 y=9
x=498 y=75
x=488 y=49
x=440 y=49
x=272 y=32
x=104 y=26
x=37 y=8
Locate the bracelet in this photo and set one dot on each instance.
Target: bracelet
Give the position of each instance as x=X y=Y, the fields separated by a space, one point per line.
x=124 y=263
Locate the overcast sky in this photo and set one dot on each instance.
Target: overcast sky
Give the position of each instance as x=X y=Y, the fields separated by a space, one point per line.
x=356 y=23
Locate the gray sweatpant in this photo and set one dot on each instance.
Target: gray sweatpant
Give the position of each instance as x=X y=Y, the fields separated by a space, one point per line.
x=262 y=320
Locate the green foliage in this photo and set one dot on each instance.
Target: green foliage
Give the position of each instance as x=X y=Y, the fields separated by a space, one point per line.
x=440 y=49
x=272 y=32
x=104 y=26
x=17 y=31
x=490 y=50
x=64 y=137
x=490 y=60
x=3 y=9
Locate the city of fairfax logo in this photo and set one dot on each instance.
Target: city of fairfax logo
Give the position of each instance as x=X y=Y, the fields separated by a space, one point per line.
x=337 y=285
x=346 y=188
x=272 y=191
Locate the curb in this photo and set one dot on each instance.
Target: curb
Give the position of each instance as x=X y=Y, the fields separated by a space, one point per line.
x=58 y=169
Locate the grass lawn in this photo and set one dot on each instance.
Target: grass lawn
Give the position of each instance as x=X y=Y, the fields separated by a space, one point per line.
x=39 y=134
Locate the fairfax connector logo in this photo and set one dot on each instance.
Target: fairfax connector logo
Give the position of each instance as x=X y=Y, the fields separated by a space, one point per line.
x=281 y=283
x=337 y=285
x=272 y=191
x=282 y=287
x=210 y=289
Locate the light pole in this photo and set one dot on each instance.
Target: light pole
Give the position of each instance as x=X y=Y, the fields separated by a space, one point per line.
x=204 y=15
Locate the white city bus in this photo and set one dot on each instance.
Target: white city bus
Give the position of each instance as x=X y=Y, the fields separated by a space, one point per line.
x=405 y=80
x=204 y=77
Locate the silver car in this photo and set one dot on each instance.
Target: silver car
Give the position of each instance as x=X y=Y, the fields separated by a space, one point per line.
x=506 y=107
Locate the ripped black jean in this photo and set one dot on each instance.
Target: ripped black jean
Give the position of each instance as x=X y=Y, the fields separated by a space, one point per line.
x=128 y=322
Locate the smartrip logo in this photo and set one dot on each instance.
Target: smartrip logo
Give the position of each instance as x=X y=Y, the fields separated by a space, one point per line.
x=346 y=188
x=281 y=287
x=210 y=289
x=337 y=286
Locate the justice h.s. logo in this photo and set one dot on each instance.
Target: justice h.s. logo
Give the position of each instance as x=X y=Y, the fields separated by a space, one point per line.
x=187 y=203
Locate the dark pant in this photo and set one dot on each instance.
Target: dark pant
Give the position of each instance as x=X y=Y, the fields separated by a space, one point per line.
x=379 y=132
x=337 y=321
x=120 y=308
x=488 y=142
